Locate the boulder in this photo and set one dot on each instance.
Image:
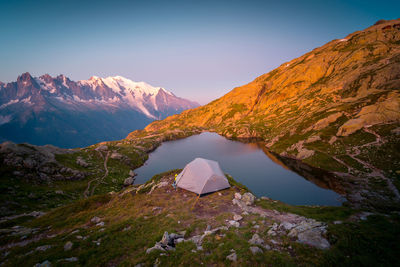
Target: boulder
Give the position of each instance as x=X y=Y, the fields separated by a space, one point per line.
x=313 y=238
x=128 y=181
x=238 y=196
x=286 y=226
x=132 y=173
x=248 y=198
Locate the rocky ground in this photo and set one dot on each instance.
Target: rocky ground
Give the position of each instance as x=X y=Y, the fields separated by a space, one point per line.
x=154 y=224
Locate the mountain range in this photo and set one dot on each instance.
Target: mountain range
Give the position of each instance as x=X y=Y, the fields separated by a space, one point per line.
x=59 y=111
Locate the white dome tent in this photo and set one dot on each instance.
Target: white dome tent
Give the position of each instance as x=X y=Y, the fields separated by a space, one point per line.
x=202 y=176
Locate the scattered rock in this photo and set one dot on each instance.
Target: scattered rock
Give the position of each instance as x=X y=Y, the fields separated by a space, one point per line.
x=313 y=238
x=95 y=219
x=256 y=240
x=286 y=226
x=116 y=155
x=310 y=232
x=46 y=263
x=127 y=228
x=312 y=139
x=255 y=250
x=59 y=192
x=248 y=198
x=232 y=257
x=72 y=259
x=238 y=196
x=305 y=153
x=43 y=248
x=68 y=246
x=332 y=140
x=234 y=223
x=237 y=217
x=100 y=224
x=81 y=162
x=128 y=181
x=102 y=148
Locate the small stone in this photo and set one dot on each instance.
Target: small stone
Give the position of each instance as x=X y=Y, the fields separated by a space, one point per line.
x=237 y=217
x=132 y=173
x=256 y=240
x=234 y=223
x=255 y=250
x=165 y=240
x=95 y=219
x=59 y=192
x=68 y=246
x=232 y=257
x=256 y=226
x=238 y=196
x=267 y=247
x=337 y=222
x=46 y=263
x=219 y=194
x=157 y=246
x=100 y=224
x=43 y=248
x=128 y=181
x=72 y=259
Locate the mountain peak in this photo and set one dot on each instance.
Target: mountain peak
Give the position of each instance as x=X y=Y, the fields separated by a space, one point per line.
x=25 y=77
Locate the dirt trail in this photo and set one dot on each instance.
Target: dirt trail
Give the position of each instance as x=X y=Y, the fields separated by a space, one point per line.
x=89 y=192
x=375 y=171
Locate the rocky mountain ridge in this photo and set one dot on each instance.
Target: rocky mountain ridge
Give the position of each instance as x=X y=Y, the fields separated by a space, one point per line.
x=46 y=110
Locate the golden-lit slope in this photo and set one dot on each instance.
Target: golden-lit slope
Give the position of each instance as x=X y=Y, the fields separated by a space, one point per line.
x=344 y=94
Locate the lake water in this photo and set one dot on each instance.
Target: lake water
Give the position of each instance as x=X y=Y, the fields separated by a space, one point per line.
x=246 y=163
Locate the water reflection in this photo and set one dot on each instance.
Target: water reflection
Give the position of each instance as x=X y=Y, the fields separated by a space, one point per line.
x=251 y=164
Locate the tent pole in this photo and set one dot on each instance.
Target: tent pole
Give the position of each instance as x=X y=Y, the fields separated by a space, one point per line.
x=195 y=202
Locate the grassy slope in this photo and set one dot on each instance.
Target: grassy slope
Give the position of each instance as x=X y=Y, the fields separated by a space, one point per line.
x=132 y=225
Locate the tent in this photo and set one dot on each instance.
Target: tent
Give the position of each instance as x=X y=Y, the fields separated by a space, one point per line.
x=202 y=176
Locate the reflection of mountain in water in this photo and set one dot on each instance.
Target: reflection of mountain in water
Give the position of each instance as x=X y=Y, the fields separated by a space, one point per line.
x=317 y=176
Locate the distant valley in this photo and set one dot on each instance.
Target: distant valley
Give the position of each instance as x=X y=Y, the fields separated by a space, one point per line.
x=58 y=111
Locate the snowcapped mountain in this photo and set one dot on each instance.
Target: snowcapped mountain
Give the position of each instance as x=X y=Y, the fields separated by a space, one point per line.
x=59 y=111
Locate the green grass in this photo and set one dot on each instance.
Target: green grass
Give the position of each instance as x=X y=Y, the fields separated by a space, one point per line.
x=321 y=213
x=326 y=162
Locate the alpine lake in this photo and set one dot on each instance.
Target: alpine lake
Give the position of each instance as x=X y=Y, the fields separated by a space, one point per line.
x=251 y=164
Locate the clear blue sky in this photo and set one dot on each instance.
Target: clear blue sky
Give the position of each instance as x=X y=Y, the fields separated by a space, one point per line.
x=197 y=49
